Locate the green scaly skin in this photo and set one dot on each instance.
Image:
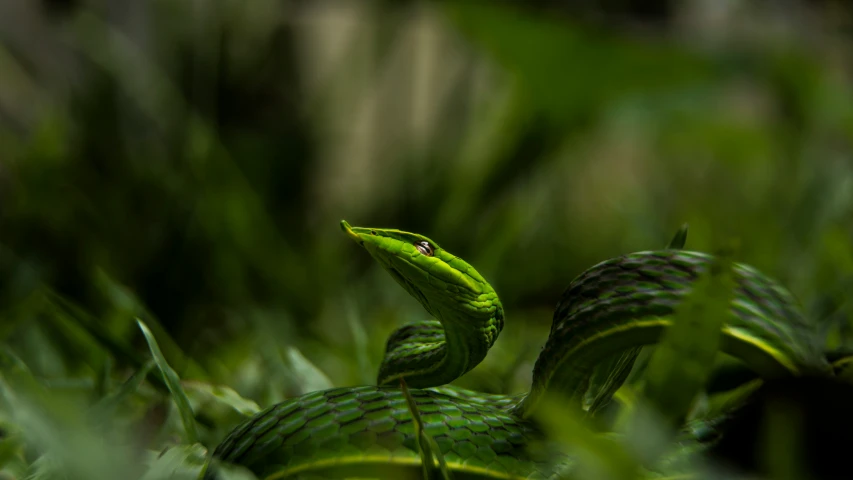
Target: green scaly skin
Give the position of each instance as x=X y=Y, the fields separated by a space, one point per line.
x=615 y=306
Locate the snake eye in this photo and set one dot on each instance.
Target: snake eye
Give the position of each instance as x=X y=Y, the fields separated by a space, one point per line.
x=425 y=248
x=373 y=232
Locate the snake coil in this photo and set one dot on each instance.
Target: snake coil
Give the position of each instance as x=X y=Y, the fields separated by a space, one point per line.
x=612 y=308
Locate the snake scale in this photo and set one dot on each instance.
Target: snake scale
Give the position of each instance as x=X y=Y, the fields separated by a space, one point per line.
x=615 y=306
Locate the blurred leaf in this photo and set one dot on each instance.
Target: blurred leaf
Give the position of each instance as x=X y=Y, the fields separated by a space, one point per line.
x=107 y=405
x=592 y=455
x=11 y=450
x=64 y=443
x=68 y=312
x=227 y=471
x=126 y=305
x=685 y=354
x=307 y=376
x=359 y=340
x=181 y=462
x=220 y=394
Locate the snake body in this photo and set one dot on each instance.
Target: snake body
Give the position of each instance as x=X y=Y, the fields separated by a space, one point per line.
x=615 y=306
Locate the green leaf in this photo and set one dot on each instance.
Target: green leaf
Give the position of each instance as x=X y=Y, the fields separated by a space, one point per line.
x=174 y=384
x=308 y=376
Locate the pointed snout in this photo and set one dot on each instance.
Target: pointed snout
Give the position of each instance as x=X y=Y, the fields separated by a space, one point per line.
x=349 y=231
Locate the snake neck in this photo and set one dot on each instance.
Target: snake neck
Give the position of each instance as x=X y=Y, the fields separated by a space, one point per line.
x=436 y=352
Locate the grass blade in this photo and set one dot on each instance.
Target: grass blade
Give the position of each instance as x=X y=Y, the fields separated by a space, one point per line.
x=173 y=383
x=426 y=444
x=359 y=341
x=683 y=359
x=107 y=405
x=585 y=454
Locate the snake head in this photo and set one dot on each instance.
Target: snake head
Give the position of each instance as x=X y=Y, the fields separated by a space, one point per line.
x=435 y=277
x=467 y=307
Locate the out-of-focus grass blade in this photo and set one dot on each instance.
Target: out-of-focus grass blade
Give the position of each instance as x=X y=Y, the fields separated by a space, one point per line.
x=11 y=450
x=222 y=395
x=291 y=372
x=119 y=350
x=11 y=363
x=53 y=427
x=685 y=354
x=69 y=315
x=308 y=376
x=680 y=238
x=592 y=455
x=103 y=381
x=218 y=408
x=174 y=384
x=127 y=305
x=228 y=471
x=107 y=405
x=359 y=341
x=181 y=462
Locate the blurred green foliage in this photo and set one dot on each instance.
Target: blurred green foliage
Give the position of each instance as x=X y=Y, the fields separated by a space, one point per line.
x=188 y=163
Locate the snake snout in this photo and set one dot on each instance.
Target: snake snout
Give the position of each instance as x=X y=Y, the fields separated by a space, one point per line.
x=351 y=233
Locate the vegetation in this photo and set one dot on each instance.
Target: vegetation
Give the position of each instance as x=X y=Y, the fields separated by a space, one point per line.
x=172 y=176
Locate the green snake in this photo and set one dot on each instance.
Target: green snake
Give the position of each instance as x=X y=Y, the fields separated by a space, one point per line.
x=613 y=307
